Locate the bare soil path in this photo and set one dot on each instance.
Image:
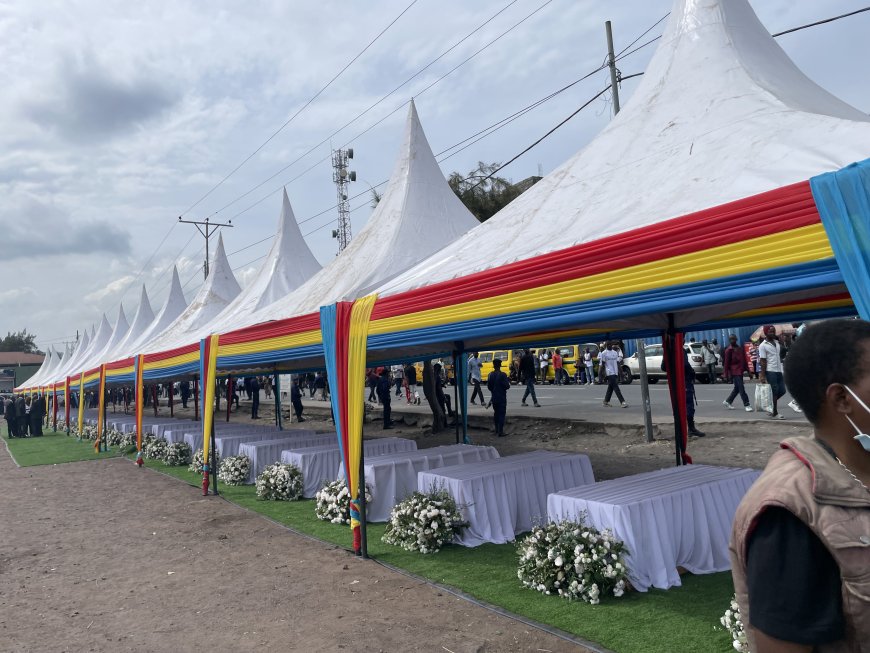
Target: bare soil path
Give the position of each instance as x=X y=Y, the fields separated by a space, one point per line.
x=100 y=556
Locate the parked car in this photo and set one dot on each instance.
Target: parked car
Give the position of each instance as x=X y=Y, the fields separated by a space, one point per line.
x=655 y=353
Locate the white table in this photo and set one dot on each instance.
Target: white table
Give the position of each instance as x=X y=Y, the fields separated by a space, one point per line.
x=228 y=445
x=674 y=517
x=393 y=477
x=263 y=453
x=193 y=437
x=504 y=497
x=159 y=430
x=319 y=464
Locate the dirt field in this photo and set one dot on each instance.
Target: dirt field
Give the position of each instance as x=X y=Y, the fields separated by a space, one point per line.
x=84 y=567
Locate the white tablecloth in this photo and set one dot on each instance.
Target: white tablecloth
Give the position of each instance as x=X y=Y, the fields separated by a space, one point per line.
x=193 y=436
x=679 y=516
x=392 y=477
x=504 y=497
x=159 y=429
x=228 y=445
x=319 y=464
x=265 y=452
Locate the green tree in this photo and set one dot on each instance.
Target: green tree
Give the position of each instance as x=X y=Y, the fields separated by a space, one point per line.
x=19 y=341
x=482 y=191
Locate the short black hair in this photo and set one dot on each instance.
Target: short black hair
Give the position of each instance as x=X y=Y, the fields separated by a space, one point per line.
x=827 y=352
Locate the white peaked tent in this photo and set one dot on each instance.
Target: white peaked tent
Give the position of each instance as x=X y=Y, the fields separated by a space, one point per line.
x=288 y=265
x=119 y=331
x=417 y=215
x=40 y=375
x=219 y=289
x=76 y=354
x=721 y=114
x=98 y=345
x=141 y=321
x=174 y=306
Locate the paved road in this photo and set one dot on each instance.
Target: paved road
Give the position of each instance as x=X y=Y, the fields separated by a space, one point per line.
x=585 y=402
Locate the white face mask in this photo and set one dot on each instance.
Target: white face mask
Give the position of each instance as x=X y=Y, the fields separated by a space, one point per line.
x=862 y=438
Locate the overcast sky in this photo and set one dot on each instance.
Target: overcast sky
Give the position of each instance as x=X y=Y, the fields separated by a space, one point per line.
x=116 y=117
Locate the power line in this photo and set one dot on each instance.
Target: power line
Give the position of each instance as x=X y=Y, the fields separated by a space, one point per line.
x=369 y=108
x=821 y=22
x=647 y=31
x=378 y=122
x=301 y=109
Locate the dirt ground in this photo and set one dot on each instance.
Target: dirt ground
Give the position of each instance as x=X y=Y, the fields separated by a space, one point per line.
x=155 y=567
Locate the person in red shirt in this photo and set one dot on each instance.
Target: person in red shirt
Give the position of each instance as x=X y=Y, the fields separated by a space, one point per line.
x=734 y=362
x=557 y=367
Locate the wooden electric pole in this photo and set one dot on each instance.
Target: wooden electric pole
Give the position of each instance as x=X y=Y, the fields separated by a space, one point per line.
x=206 y=228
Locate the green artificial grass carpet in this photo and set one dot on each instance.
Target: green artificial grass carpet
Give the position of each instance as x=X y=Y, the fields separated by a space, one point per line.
x=51 y=449
x=680 y=620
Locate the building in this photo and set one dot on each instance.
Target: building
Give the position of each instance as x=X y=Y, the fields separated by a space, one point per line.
x=16 y=367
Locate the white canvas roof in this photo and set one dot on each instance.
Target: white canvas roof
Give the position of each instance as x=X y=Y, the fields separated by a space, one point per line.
x=44 y=369
x=141 y=321
x=722 y=113
x=219 y=289
x=76 y=354
x=417 y=215
x=174 y=306
x=119 y=331
x=98 y=342
x=288 y=265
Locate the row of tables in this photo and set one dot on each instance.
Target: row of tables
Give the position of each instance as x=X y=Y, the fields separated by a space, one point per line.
x=672 y=518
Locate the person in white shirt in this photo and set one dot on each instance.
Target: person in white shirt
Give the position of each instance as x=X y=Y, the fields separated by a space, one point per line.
x=474 y=375
x=590 y=364
x=544 y=361
x=610 y=360
x=770 y=357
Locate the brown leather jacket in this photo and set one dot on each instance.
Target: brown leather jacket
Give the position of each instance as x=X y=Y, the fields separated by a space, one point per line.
x=806 y=480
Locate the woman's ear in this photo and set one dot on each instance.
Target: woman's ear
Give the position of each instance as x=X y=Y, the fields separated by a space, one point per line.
x=837 y=398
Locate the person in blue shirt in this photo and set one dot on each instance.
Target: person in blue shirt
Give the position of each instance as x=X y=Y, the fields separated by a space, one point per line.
x=498 y=384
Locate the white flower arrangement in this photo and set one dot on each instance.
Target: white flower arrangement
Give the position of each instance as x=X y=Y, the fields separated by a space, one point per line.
x=177 y=454
x=156 y=449
x=424 y=522
x=89 y=432
x=332 y=502
x=572 y=560
x=196 y=464
x=61 y=424
x=733 y=623
x=128 y=443
x=234 y=470
x=114 y=437
x=280 y=482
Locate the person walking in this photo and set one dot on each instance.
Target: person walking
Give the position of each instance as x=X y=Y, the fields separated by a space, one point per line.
x=800 y=540
x=384 y=389
x=709 y=360
x=474 y=376
x=589 y=366
x=610 y=360
x=296 y=399
x=770 y=357
x=557 y=367
x=372 y=383
x=398 y=378
x=735 y=365
x=498 y=384
x=411 y=384
x=254 y=387
x=267 y=386
x=528 y=368
x=753 y=359
x=9 y=415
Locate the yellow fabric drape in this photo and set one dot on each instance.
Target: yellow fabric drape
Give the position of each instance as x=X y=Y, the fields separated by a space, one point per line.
x=81 y=404
x=356 y=363
x=208 y=391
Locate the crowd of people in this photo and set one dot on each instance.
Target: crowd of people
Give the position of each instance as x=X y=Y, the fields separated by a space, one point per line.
x=24 y=415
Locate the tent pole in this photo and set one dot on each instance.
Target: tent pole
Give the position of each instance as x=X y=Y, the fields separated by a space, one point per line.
x=229 y=396
x=644 y=390
x=195 y=400
x=154 y=398
x=456 y=405
x=364 y=541
x=276 y=388
x=212 y=450
x=171 y=399
x=672 y=359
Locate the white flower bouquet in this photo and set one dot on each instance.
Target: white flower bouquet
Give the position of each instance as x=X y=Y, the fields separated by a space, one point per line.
x=177 y=454
x=280 y=482
x=332 y=502
x=89 y=432
x=234 y=470
x=196 y=464
x=155 y=449
x=114 y=437
x=61 y=424
x=574 y=561
x=733 y=623
x=128 y=443
x=424 y=522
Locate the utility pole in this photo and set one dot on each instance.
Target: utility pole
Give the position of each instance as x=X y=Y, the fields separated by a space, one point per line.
x=614 y=73
x=207 y=229
x=342 y=177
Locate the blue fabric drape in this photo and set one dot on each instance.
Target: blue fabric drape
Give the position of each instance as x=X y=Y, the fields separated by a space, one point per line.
x=328 y=317
x=843 y=200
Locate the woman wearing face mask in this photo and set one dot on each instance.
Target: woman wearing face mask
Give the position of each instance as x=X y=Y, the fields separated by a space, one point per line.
x=800 y=546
